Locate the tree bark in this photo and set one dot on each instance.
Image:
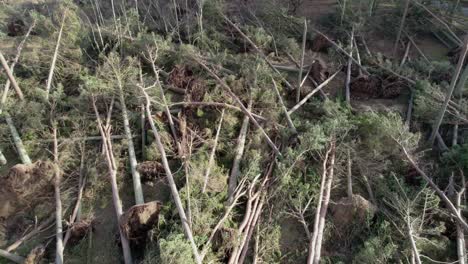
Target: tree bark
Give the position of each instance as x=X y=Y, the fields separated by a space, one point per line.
x=112 y=168
x=172 y=185
x=448 y=96
x=23 y=155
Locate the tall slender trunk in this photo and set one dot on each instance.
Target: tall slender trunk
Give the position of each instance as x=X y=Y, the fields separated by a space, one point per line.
x=448 y=96
x=170 y=178
x=112 y=169
x=137 y=189
x=54 y=59
x=23 y=155
x=461 y=246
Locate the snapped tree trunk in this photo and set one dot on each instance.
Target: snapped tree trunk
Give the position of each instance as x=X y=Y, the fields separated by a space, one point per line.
x=23 y=155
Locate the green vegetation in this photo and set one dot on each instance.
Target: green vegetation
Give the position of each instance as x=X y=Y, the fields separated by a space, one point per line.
x=139 y=90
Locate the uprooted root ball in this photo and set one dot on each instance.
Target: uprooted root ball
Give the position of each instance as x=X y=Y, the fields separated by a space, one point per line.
x=138 y=220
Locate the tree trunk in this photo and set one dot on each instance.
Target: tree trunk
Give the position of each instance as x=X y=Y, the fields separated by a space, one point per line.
x=437 y=190
x=12 y=257
x=461 y=246
x=324 y=208
x=415 y=251
x=58 y=202
x=54 y=59
x=409 y=111
x=313 y=239
x=285 y=110
x=13 y=64
x=257 y=49
x=172 y=185
x=213 y=152
x=299 y=81
x=241 y=105
x=17 y=140
x=307 y=97
x=75 y=217
x=348 y=71
x=448 y=96
x=350 y=180
x=12 y=79
x=235 y=171
x=113 y=180
x=3 y=160
x=137 y=189
x=400 y=30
